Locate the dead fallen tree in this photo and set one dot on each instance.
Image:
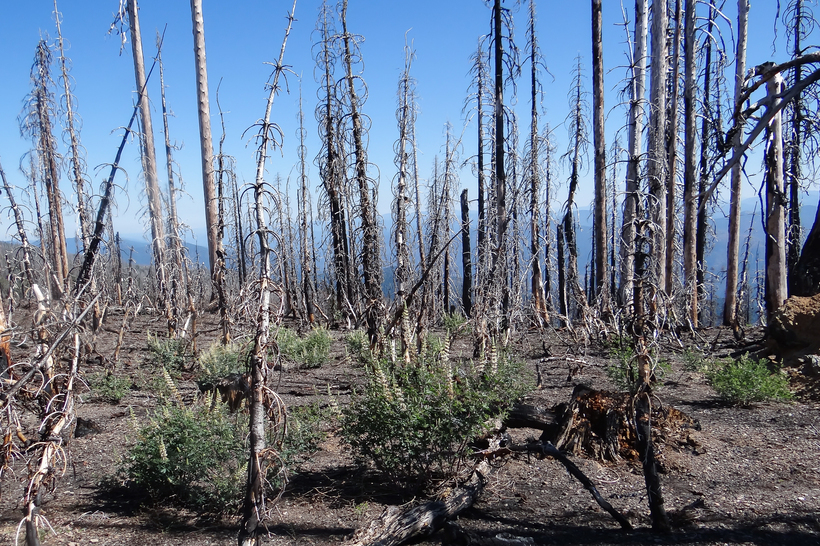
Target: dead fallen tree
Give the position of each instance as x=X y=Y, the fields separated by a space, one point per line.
x=397 y=525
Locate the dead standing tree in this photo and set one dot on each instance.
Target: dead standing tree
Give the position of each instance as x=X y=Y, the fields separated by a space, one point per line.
x=533 y=171
x=149 y=159
x=330 y=160
x=37 y=124
x=367 y=199
x=262 y=457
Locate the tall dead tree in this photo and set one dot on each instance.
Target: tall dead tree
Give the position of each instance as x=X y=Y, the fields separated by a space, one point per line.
x=254 y=509
x=149 y=159
x=776 y=288
x=672 y=149
x=657 y=157
x=406 y=116
x=175 y=276
x=304 y=214
x=76 y=170
x=635 y=123
x=37 y=123
x=330 y=160
x=730 y=317
x=600 y=235
x=690 y=188
x=367 y=199
x=206 y=147
x=578 y=143
x=534 y=171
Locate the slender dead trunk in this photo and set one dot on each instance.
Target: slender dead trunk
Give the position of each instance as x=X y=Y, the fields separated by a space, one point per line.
x=498 y=275
x=534 y=172
x=149 y=154
x=730 y=310
x=466 y=257
x=371 y=261
x=253 y=508
x=634 y=145
x=690 y=189
x=206 y=146
x=76 y=170
x=657 y=161
x=672 y=151
x=600 y=230
x=776 y=290
x=38 y=124
x=706 y=121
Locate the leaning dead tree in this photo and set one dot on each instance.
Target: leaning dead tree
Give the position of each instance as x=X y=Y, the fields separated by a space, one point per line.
x=263 y=457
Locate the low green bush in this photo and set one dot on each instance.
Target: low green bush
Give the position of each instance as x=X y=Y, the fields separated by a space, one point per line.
x=622 y=369
x=358 y=348
x=172 y=354
x=748 y=380
x=310 y=351
x=193 y=457
x=107 y=387
x=196 y=457
x=416 y=421
x=218 y=361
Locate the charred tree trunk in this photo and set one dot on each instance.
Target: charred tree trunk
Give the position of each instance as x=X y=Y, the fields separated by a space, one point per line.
x=600 y=230
x=776 y=291
x=690 y=261
x=635 y=136
x=371 y=261
x=466 y=257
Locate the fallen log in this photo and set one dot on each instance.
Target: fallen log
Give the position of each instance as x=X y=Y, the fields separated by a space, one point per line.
x=397 y=525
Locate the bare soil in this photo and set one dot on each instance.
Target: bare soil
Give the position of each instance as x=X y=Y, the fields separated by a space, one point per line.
x=748 y=476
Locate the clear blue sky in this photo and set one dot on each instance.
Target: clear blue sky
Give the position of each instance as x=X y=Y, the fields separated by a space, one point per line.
x=242 y=36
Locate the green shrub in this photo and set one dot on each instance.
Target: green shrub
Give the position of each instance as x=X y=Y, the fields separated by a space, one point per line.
x=194 y=457
x=623 y=367
x=306 y=430
x=107 y=387
x=454 y=322
x=310 y=351
x=172 y=354
x=416 y=421
x=358 y=348
x=218 y=361
x=747 y=381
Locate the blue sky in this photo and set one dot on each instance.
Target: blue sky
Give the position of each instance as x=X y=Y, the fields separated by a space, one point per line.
x=242 y=36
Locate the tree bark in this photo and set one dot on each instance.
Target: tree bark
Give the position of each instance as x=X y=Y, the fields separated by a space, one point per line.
x=657 y=161
x=149 y=165
x=635 y=139
x=730 y=303
x=776 y=290
x=206 y=146
x=599 y=144
x=466 y=260
x=690 y=165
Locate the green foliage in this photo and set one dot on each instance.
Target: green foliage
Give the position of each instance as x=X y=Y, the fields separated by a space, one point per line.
x=194 y=457
x=358 y=348
x=171 y=354
x=416 y=421
x=310 y=351
x=748 y=380
x=107 y=387
x=218 y=361
x=306 y=430
x=454 y=322
x=623 y=367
